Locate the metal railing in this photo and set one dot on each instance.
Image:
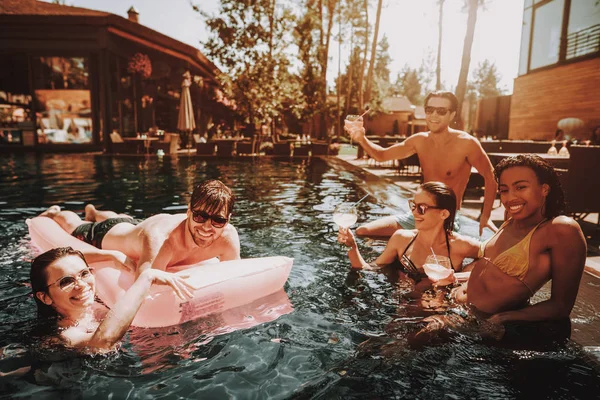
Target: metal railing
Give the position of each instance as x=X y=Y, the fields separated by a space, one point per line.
x=584 y=41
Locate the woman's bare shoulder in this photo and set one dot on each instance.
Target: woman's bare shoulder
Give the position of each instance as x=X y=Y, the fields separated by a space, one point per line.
x=456 y=239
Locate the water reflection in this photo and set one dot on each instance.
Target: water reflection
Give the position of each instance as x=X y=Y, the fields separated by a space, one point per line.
x=283 y=208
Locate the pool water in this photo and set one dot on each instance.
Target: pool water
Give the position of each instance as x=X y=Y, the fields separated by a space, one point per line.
x=337 y=343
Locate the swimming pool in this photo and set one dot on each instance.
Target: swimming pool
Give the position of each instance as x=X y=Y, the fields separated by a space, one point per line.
x=283 y=208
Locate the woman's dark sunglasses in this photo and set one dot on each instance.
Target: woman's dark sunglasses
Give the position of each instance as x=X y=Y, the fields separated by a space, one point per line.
x=441 y=111
x=67 y=283
x=217 y=221
x=420 y=207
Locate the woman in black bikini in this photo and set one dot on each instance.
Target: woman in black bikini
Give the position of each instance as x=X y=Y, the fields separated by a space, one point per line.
x=434 y=209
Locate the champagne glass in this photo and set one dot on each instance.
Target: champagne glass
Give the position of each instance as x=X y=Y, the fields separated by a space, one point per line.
x=352 y=123
x=439 y=269
x=345 y=215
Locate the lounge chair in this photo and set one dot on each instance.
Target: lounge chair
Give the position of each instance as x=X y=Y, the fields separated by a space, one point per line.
x=205 y=149
x=581 y=182
x=119 y=146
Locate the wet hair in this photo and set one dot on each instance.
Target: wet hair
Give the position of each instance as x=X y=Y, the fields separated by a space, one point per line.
x=545 y=173
x=213 y=195
x=445 y=198
x=444 y=95
x=39 y=278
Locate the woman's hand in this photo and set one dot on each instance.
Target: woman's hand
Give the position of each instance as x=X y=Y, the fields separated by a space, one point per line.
x=345 y=236
x=181 y=288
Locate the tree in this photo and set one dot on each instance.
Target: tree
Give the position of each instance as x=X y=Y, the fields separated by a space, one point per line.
x=409 y=83
x=438 y=70
x=249 y=39
x=483 y=84
x=461 y=87
x=485 y=80
x=373 y=52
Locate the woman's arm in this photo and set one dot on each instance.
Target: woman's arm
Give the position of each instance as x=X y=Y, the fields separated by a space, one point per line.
x=568 y=250
x=119 y=318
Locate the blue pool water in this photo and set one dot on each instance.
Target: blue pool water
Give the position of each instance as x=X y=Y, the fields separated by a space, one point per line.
x=330 y=346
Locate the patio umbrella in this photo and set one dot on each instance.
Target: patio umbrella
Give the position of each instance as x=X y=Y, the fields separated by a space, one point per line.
x=185 y=121
x=570 y=124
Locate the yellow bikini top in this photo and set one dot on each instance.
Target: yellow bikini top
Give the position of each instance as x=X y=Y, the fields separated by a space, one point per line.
x=515 y=260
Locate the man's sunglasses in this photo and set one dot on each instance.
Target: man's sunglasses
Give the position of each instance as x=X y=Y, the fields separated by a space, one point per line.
x=440 y=110
x=420 y=207
x=67 y=283
x=217 y=221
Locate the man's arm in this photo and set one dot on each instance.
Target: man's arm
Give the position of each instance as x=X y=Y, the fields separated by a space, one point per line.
x=478 y=159
x=230 y=244
x=378 y=153
x=99 y=255
x=567 y=252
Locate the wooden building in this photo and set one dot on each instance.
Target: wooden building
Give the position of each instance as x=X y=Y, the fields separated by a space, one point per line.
x=559 y=69
x=70 y=76
x=399 y=111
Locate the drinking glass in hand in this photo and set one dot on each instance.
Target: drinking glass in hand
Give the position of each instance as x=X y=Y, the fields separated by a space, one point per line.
x=439 y=270
x=345 y=215
x=352 y=123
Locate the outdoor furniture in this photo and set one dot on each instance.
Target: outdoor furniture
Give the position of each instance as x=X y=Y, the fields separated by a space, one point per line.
x=206 y=149
x=581 y=182
x=555 y=160
x=301 y=150
x=282 y=149
x=320 y=149
x=517 y=146
x=409 y=166
x=226 y=147
x=119 y=146
x=244 y=147
x=169 y=145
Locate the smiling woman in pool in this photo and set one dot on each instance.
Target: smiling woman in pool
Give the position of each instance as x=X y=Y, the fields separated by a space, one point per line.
x=64 y=290
x=434 y=209
x=535 y=245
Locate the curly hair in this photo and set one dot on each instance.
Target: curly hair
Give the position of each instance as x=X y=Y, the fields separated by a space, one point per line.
x=545 y=173
x=39 y=278
x=445 y=198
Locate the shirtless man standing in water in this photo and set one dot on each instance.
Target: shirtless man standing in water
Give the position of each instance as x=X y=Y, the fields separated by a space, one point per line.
x=446 y=155
x=163 y=240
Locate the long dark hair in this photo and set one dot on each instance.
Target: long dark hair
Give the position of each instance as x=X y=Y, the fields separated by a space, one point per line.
x=555 y=201
x=445 y=198
x=214 y=194
x=39 y=277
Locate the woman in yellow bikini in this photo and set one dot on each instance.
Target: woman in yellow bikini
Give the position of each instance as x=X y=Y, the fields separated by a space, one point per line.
x=535 y=245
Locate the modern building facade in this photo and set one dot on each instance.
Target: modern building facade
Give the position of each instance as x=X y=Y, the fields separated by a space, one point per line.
x=70 y=76
x=559 y=69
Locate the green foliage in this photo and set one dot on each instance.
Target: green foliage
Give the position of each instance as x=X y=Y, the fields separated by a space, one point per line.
x=250 y=40
x=485 y=80
x=409 y=83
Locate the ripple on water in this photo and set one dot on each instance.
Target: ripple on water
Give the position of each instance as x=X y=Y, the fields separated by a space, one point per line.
x=347 y=333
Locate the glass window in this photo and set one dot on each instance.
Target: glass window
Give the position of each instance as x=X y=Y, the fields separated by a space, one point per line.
x=528 y=3
x=546 y=34
x=583 y=35
x=62 y=99
x=16 y=119
x=525 y=36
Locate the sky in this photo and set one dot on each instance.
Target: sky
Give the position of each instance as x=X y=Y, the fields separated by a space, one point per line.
x=411 y=27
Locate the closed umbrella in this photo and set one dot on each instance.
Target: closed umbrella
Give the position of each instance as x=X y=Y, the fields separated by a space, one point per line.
x=185 y=121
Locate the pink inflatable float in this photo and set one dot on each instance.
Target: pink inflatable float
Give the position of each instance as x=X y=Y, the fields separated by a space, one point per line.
x=218 y=286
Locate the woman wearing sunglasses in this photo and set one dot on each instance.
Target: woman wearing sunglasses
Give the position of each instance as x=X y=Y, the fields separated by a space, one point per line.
x=434 y=210
x=64 y=290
